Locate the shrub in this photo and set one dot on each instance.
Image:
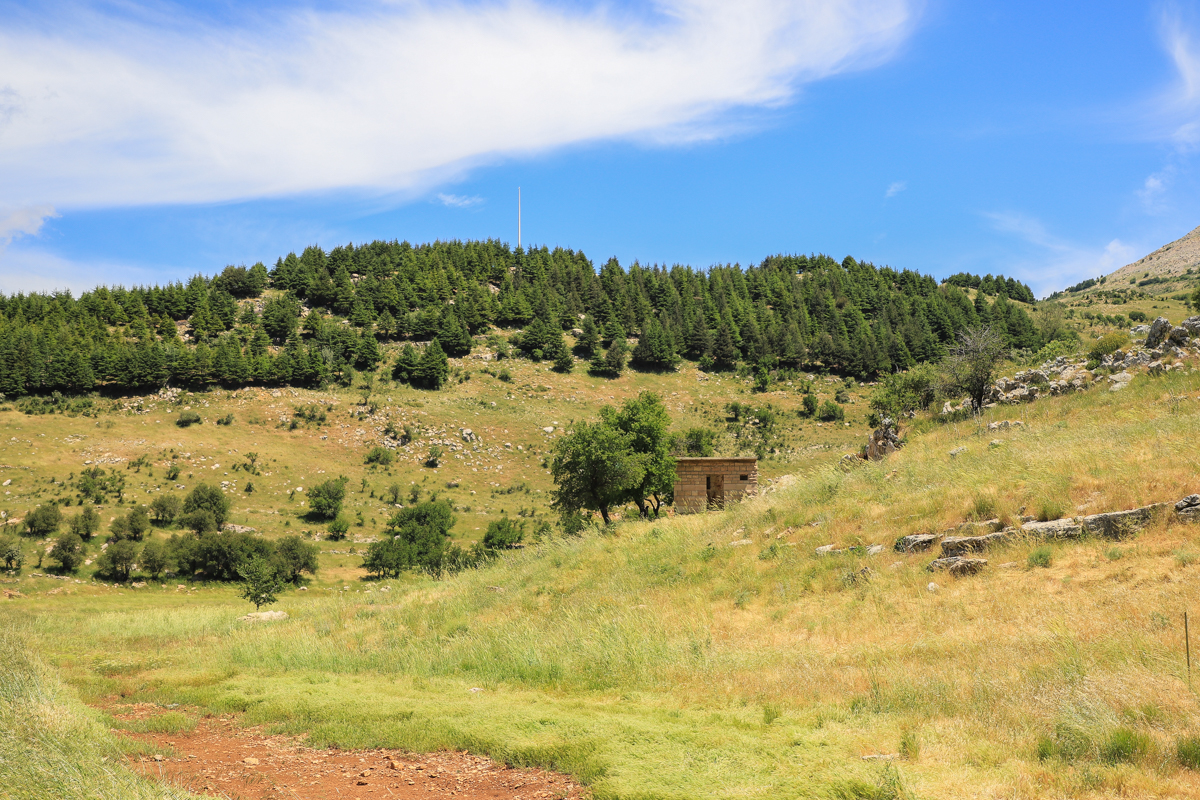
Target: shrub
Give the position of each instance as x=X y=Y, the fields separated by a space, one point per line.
x=293 y=556
x=503 y=534
x=325 y=499
x=188 y=418
x=1108 y=343
x=225 y=420
x=416 y=538
x=381 y=456
x=11 y=553
x=117 y=561
x=1040 y=557
x=808 y=406
x=694 y=442
x=1187 y=751
x=338 y=529
x=85 y=523
x=217 y=555
x=435 y=456
x=139 y=522
x=831 y=412
x=1125 y=745
x=207 y=497
x=1138 y=316
x=166 y=508
x=68 y=552
x=44 y=520
x=173 y=472
x=199 y=522
x=154 y=558
x=904 y=392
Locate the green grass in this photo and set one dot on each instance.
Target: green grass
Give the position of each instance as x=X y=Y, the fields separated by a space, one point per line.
x=51 y=746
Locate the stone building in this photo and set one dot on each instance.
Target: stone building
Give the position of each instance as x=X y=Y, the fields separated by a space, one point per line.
x=703 y=483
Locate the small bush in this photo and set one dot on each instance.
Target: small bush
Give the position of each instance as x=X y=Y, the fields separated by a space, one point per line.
x=381 y=456
x=338 y=529
x=1187 y=751
x=1041 y=557
x=1125 y=745
x=1114 y=554
x=188 y=418
x=1108 y=343
x=831 y=412
x=225 y=420
x=1185 y=557
x=173 y=472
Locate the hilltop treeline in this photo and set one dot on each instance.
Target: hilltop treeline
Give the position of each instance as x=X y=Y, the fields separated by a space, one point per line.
x=316 y=316
x=1009 y=287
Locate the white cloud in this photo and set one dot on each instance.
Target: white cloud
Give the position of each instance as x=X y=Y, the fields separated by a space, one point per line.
x=1054 y=263
x=24 y=221
x=1181 y=106
x=896 y=188
x=31 y=269
x=98 y=109
x=458 y=200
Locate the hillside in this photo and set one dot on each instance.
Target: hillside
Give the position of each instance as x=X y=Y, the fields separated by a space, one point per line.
x=715 y=655
x=1171 y=269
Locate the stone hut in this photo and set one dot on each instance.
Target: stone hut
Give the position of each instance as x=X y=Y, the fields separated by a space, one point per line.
x=703 y=483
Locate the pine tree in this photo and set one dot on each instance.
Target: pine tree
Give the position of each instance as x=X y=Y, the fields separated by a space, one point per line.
x=432 y=369
x=589 y=339
x=725 y=352
x=406 y=363
x=454 y=338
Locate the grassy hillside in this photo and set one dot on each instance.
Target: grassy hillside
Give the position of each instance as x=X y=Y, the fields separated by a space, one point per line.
x=717 y=655
x=506 y=404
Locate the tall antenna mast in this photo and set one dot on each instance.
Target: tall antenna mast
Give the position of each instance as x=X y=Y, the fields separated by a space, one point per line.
x=518 y=216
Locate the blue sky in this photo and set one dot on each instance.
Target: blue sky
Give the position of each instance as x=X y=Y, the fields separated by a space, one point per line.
x=146 y=141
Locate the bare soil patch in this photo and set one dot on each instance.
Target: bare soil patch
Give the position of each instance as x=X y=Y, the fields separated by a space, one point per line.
x=220 y=759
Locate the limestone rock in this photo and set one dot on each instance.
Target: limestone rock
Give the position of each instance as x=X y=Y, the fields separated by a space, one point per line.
x=1179 y=336
x=1189 y=507
x=1054 y=529
x=956 y=452
x=958 y=565
x=932 y=587
x=1191 y=325
x=1159 y=329
x=978 y=528
x=882 y=441
x=957 y=545
x=915 y=542
x=1118 y=524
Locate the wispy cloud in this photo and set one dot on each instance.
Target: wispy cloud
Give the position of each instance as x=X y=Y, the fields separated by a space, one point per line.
x=458 y=200
x=24 y=221
x=106 y=107
x=1180 y=106
x=896 y=188
x=1053 y=263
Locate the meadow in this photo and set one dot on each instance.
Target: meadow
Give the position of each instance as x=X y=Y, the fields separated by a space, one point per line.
x=718 y=655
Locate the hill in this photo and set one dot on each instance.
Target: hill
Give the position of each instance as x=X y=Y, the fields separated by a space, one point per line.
x=1172 y=268
x=714 y=655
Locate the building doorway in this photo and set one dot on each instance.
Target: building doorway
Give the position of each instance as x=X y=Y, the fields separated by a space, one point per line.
x=715 y=486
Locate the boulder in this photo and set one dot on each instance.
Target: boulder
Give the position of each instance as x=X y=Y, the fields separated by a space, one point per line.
x=957 y=565
x=1119 y=524
x=1054 y=529
x=1159 y=329
x=957 y=545
x=915 y=542
x=1191 y=325
x=1179 y=336
x=956 y=452
x=977 y=528
x=1139 y=330
x=1189 y=507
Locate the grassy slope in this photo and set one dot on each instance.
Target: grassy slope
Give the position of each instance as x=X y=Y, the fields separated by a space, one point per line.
x=51 y=746
x=41 y=454
x=661 y=662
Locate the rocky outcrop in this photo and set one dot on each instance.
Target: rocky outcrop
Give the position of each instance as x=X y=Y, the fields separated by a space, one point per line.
x=1159 y=330
x=883 y=441
x=1054 y=529
x=958 y=566
x=958 y=545
x=1120 y=524
x=916 y=542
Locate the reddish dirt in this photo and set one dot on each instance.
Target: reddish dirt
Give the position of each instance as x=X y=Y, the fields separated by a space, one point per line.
x=220 y=759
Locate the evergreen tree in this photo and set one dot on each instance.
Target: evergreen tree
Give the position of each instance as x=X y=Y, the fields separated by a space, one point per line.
x=454 y=338
x=589 y=340
x=432 y=369
x=725 y=353
x=406 y=363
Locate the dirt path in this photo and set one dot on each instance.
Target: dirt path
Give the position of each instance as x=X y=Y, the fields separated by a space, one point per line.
x=220 y=759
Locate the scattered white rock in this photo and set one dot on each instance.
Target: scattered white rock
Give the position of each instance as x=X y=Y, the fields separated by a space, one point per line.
x=264 y=616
